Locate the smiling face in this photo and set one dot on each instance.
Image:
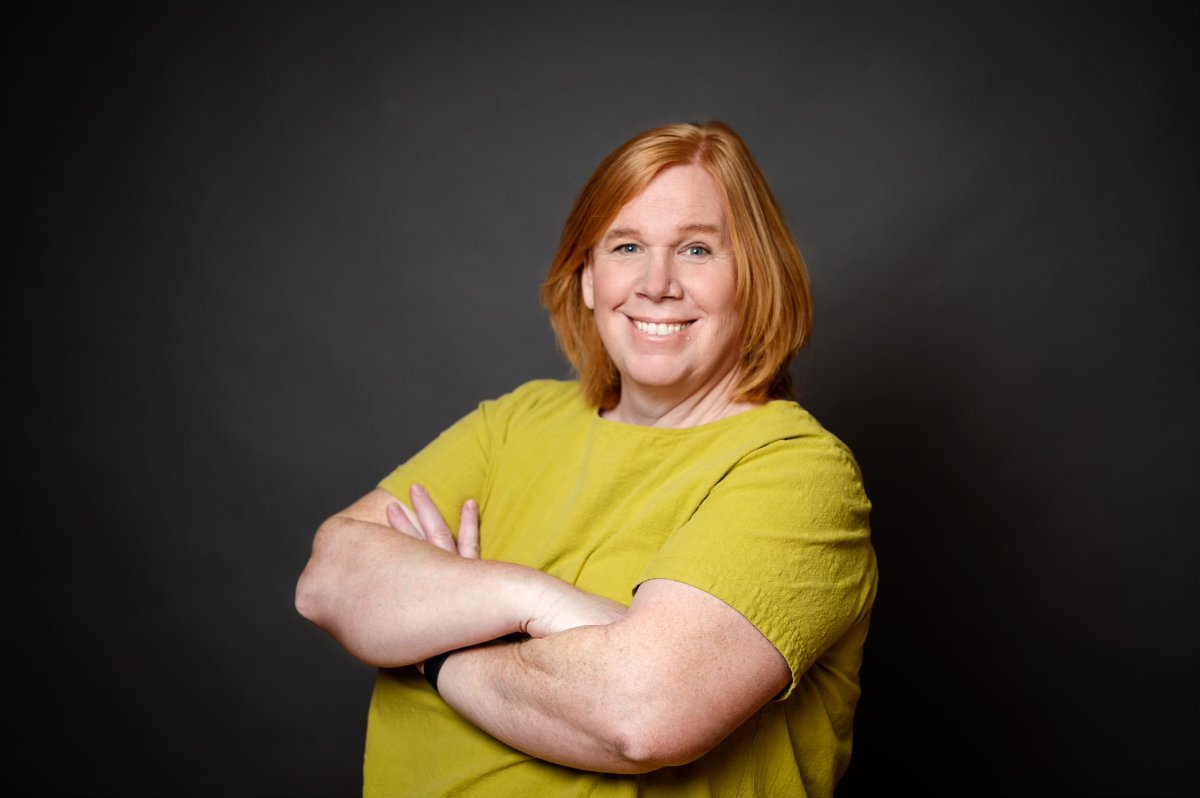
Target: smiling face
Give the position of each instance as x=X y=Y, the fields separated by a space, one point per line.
x=662 y=285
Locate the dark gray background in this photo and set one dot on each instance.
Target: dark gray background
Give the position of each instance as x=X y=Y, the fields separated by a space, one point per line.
x=258 y=254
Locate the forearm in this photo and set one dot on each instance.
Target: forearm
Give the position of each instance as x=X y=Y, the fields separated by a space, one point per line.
x=661 y=686
x=392 y=600
x=555 y=698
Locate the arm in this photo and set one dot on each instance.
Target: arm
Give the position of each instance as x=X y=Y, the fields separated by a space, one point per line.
x=683 y=669
x=391 y=599
x=660 y=687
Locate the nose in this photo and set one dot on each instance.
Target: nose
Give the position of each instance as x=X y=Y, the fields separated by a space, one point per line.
x=659 y=279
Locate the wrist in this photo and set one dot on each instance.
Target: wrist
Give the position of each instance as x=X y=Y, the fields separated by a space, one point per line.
x=529 y=592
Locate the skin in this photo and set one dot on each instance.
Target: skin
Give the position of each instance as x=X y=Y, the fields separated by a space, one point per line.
x=668 y=258
x=393 y=600
x=597 y=686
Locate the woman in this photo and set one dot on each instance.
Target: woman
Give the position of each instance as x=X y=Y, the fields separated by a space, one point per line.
x=675 y=477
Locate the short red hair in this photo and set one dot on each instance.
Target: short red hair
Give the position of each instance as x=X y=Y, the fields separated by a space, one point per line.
x=774 y=303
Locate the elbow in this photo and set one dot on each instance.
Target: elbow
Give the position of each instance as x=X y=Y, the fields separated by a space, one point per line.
x=317 y=602
x=654 y=737
x=659 y=720
x=632 y=759
x=307 y=597
x=642 y=751
x=323 y=598
x=312 y=588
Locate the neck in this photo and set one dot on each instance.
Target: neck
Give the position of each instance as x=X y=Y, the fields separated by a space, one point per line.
x=649 y=407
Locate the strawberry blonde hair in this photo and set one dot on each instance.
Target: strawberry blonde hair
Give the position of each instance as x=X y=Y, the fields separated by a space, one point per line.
x=773 y=300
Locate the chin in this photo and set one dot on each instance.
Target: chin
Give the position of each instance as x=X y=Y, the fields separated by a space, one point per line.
x=657 y=382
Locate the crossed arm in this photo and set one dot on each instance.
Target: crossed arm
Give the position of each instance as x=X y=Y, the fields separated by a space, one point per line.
x=596 y=687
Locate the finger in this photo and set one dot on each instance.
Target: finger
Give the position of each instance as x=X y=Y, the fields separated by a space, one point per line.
x=468 y=530
x=430 y=519
x=398 y=519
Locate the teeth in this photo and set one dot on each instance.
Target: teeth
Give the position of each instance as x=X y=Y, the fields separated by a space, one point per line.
x=651 y=328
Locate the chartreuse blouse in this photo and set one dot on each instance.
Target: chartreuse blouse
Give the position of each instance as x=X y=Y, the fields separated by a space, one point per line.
x=764 y=510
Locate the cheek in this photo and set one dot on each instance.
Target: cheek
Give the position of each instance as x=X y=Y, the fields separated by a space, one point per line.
x=719 y=295
x=606 y=290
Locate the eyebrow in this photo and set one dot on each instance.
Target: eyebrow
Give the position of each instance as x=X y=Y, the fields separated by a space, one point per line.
x=630 y=232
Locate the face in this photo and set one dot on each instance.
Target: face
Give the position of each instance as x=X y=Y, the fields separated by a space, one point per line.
x=662 y=285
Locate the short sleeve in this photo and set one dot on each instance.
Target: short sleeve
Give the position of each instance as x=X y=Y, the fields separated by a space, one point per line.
x=784 y=539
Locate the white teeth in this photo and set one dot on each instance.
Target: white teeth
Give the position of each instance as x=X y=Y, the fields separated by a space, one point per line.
x=650 y=328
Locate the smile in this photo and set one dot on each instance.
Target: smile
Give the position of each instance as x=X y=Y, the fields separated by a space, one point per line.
x=651 y=328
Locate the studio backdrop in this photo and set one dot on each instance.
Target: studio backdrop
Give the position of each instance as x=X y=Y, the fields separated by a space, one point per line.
x=260 y=253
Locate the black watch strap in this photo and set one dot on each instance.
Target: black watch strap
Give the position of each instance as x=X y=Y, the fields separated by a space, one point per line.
x=433 y=667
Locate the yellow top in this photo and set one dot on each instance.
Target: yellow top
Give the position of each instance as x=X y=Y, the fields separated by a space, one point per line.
x=764 y=510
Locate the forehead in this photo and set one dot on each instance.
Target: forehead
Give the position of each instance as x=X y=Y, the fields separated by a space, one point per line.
x=679 y=196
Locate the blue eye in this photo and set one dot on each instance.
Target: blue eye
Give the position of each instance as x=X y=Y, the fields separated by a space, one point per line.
x=626 y=249
x=697 y=251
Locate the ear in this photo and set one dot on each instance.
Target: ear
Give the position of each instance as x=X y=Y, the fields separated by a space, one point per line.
x=586 y=284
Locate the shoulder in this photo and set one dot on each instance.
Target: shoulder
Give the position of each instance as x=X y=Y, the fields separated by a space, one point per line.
x=542 y=391
x=788 y=420
x=786 y=434
x=538 y=396
x=806 y=470
x=535 y=404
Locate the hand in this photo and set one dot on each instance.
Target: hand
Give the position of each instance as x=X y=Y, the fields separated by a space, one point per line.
x=556 y=606
x=425 y=522
x=560 y=607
